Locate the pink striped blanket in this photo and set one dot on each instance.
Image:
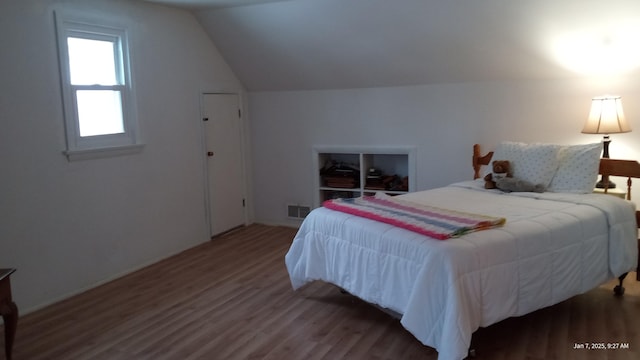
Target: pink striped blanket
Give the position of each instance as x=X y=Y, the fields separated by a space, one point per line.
x=427 y=220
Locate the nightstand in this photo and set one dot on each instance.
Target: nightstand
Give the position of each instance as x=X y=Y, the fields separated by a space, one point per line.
x=615 y=192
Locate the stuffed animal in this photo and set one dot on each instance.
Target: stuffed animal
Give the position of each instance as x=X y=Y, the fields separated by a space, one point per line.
x=501 y=169
x=511 y=184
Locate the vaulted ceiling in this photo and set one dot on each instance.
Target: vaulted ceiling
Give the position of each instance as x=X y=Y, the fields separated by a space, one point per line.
x=331 y=44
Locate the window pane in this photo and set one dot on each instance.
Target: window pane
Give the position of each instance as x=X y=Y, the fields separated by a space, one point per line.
x=99 y=112
x=91 y=62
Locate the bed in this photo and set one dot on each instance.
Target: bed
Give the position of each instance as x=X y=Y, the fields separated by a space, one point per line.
x=552 y=246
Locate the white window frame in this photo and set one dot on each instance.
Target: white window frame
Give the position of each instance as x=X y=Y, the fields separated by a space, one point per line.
x=79 y=147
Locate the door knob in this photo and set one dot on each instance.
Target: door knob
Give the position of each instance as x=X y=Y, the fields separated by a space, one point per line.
x=210 y=153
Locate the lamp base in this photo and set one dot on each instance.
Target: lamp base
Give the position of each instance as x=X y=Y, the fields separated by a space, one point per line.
x=605 y=184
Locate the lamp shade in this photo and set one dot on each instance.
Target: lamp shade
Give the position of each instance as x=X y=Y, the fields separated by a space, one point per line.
x=606 y=116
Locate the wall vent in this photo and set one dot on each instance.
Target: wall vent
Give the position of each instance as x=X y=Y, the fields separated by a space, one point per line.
x=297 y=211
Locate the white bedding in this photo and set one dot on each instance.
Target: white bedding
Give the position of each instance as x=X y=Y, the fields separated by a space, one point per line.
x=553 y=246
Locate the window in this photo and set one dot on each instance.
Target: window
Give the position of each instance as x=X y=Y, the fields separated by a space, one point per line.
x=99 y=106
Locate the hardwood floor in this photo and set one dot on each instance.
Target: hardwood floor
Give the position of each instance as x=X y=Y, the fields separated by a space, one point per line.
x=231 y=299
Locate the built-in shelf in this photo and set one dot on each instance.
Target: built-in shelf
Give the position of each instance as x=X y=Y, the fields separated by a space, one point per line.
x=347 y=171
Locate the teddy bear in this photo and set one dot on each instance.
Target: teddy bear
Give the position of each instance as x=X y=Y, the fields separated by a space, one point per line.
x=502 y=178
x=501 y=169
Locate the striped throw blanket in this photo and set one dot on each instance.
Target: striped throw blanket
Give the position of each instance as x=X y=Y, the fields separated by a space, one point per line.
x=434 y=222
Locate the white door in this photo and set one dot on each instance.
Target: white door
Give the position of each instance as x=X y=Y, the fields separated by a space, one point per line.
x=225 y=175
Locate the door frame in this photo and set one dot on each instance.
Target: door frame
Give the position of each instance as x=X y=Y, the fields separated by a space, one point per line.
x=243 y=157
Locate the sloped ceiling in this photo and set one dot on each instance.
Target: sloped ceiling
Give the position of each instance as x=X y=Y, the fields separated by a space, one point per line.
x=210 y=4
x=332 y=44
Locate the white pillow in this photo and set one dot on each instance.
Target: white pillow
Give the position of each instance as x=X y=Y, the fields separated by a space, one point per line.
x=578 y=169
x=535 y=163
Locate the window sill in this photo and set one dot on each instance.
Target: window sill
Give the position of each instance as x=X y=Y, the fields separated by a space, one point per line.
x=76 y=155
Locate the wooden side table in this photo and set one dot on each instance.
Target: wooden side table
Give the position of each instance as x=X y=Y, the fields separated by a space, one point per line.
x=614 y=192
x=8 y=310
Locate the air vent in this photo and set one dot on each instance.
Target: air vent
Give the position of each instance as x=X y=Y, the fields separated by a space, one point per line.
x=297 y=211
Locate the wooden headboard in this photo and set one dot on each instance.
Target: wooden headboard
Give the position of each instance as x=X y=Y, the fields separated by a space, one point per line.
x=608 y=167
x=479 y=160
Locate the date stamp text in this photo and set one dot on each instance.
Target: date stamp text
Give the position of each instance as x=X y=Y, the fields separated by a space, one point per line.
x=601 y=345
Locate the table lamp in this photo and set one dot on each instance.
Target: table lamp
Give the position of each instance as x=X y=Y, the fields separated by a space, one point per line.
x=606 y=117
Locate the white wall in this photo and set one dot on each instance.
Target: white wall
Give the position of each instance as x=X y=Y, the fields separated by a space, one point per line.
x=67 y=226
x=443 y=121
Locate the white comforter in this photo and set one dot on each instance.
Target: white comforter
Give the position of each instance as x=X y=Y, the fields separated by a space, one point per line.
x=552 y=247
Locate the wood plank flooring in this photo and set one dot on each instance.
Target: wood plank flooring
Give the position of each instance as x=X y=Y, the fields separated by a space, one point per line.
x=231 y=299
